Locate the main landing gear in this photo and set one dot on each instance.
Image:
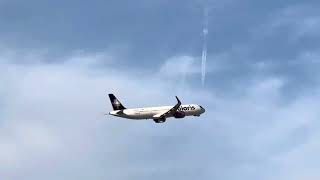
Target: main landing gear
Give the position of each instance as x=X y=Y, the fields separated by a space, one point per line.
x=161 y=120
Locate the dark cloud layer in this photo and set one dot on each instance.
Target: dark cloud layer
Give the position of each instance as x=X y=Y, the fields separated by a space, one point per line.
x=151 y=29
x=147 y=33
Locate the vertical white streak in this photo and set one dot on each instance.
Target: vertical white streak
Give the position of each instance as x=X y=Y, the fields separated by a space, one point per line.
x=204 y=50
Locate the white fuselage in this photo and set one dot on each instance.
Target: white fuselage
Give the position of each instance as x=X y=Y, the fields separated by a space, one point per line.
x=151 y=112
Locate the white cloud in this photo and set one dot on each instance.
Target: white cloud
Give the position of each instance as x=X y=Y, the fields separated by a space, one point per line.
x=53 y=113
x=52 y=126
x=180 y=66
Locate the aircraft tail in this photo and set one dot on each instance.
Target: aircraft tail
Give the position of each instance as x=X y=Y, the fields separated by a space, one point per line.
x=116 y=104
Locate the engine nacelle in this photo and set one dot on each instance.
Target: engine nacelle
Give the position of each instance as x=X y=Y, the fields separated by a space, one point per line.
x=179 y=114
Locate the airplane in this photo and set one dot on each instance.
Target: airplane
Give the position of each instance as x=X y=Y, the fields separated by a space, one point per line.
x=158 y=114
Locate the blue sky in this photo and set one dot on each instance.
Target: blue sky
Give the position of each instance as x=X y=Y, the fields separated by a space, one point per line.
x=58 y=61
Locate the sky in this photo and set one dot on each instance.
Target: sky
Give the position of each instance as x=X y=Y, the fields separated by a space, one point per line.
x=60 y=59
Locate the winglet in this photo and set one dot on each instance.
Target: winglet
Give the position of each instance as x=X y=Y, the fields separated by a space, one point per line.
x=178 y=100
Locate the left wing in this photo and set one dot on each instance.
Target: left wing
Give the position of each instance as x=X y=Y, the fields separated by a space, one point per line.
x=170 y=112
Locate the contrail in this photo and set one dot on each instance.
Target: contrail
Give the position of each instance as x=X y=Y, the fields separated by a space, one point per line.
x=204 y=50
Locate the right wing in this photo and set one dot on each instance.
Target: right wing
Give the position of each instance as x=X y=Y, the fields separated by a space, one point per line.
x=170 y=112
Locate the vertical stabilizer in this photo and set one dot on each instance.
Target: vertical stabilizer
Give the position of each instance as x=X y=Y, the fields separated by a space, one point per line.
x=116 y=104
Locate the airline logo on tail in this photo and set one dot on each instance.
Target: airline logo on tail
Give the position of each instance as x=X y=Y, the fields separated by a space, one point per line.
x=116 y=104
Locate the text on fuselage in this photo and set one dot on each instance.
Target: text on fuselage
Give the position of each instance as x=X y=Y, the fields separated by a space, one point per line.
x=188 y=108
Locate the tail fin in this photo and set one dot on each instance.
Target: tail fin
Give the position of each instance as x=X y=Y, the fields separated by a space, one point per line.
x=116 y=104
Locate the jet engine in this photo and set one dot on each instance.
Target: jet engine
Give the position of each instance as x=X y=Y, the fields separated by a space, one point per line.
x=161 y=120
x=179 y=114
